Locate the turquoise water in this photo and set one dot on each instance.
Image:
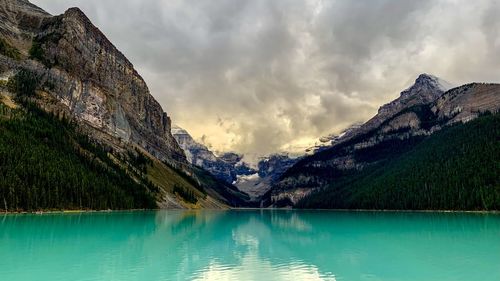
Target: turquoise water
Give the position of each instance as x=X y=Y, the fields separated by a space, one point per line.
x=250 y=245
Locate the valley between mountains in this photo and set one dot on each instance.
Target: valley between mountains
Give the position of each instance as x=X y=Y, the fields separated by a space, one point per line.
x=79 y=130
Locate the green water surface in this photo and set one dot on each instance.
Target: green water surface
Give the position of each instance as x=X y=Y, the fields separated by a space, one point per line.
x=250 y=245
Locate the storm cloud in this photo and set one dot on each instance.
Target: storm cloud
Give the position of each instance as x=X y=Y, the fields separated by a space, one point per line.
x=263 y=76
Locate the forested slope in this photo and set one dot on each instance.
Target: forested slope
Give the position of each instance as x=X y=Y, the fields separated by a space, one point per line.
x=457 y=168
x=46 y=164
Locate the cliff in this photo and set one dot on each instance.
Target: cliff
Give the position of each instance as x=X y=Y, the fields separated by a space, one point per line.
x=89 y=77
x=81 y=76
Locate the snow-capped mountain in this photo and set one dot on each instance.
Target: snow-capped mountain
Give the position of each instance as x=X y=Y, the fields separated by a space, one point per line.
x=270 y=168
x=329 y=140
x=225 y=167
x=253 y=179
x=275 y=165
x=196 y=153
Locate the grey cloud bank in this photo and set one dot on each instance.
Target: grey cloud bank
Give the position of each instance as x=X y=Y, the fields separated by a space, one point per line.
x=262 y=76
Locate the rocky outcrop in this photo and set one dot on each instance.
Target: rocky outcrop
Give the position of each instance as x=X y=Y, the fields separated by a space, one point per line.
x=89 y=77
x=270 y=168
x=422 y=109
x=329 y=140
x=426 y=88
x=465 y=103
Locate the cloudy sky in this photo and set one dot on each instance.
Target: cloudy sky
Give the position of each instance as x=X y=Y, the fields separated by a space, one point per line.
x=263 y=76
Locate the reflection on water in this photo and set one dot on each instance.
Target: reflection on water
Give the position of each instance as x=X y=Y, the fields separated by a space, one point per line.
x=250 y=245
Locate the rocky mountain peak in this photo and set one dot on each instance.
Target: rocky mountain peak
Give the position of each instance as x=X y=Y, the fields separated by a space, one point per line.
x=426 y=78
x=231 y=158
x=199 y=155
x=423 y=109
x=427 y=87
x=274 y=165
x=76 y=12
x=83 y=77
x=227 y=166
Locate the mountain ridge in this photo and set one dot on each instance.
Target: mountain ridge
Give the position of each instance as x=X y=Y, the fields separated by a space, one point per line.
x=199 y=155
x=231 y=168
x=396 y=122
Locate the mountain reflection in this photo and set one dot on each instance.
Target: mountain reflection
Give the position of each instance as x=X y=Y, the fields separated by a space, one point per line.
x=250 y=245
x=239 y=245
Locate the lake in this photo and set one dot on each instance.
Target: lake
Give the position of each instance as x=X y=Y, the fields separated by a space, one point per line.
x=250 y=245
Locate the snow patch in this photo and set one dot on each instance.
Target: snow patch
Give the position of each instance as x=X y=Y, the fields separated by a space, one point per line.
x=176 y=130
x=245 y=178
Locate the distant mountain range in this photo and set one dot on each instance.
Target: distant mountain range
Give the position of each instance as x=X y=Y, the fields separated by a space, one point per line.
x=400 y=127
x=226 y=167
x=231 y=168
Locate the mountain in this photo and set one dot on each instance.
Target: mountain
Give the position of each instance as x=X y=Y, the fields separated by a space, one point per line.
x=238 y=163
x=275 y=165
x=226 y=167
x=230 y=167
x=327 y=141
x=453 y=169
x=425 y=89
x=67 y=67
x=421 y=110
x=269 y=170
x=89 y=78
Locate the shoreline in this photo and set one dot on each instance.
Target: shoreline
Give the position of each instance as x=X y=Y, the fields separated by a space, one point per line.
x=374 y=210
x=69 y=211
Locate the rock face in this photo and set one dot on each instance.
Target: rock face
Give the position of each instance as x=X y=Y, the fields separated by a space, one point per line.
x=275 y=165
x=236 y=161
x=270 y=169
x=19 y=21
x=422 y=109
x=427 y=88
x=199 y=155
x=89 y=78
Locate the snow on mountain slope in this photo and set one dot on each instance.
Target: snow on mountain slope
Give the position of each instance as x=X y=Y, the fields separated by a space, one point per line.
x=227 y=166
